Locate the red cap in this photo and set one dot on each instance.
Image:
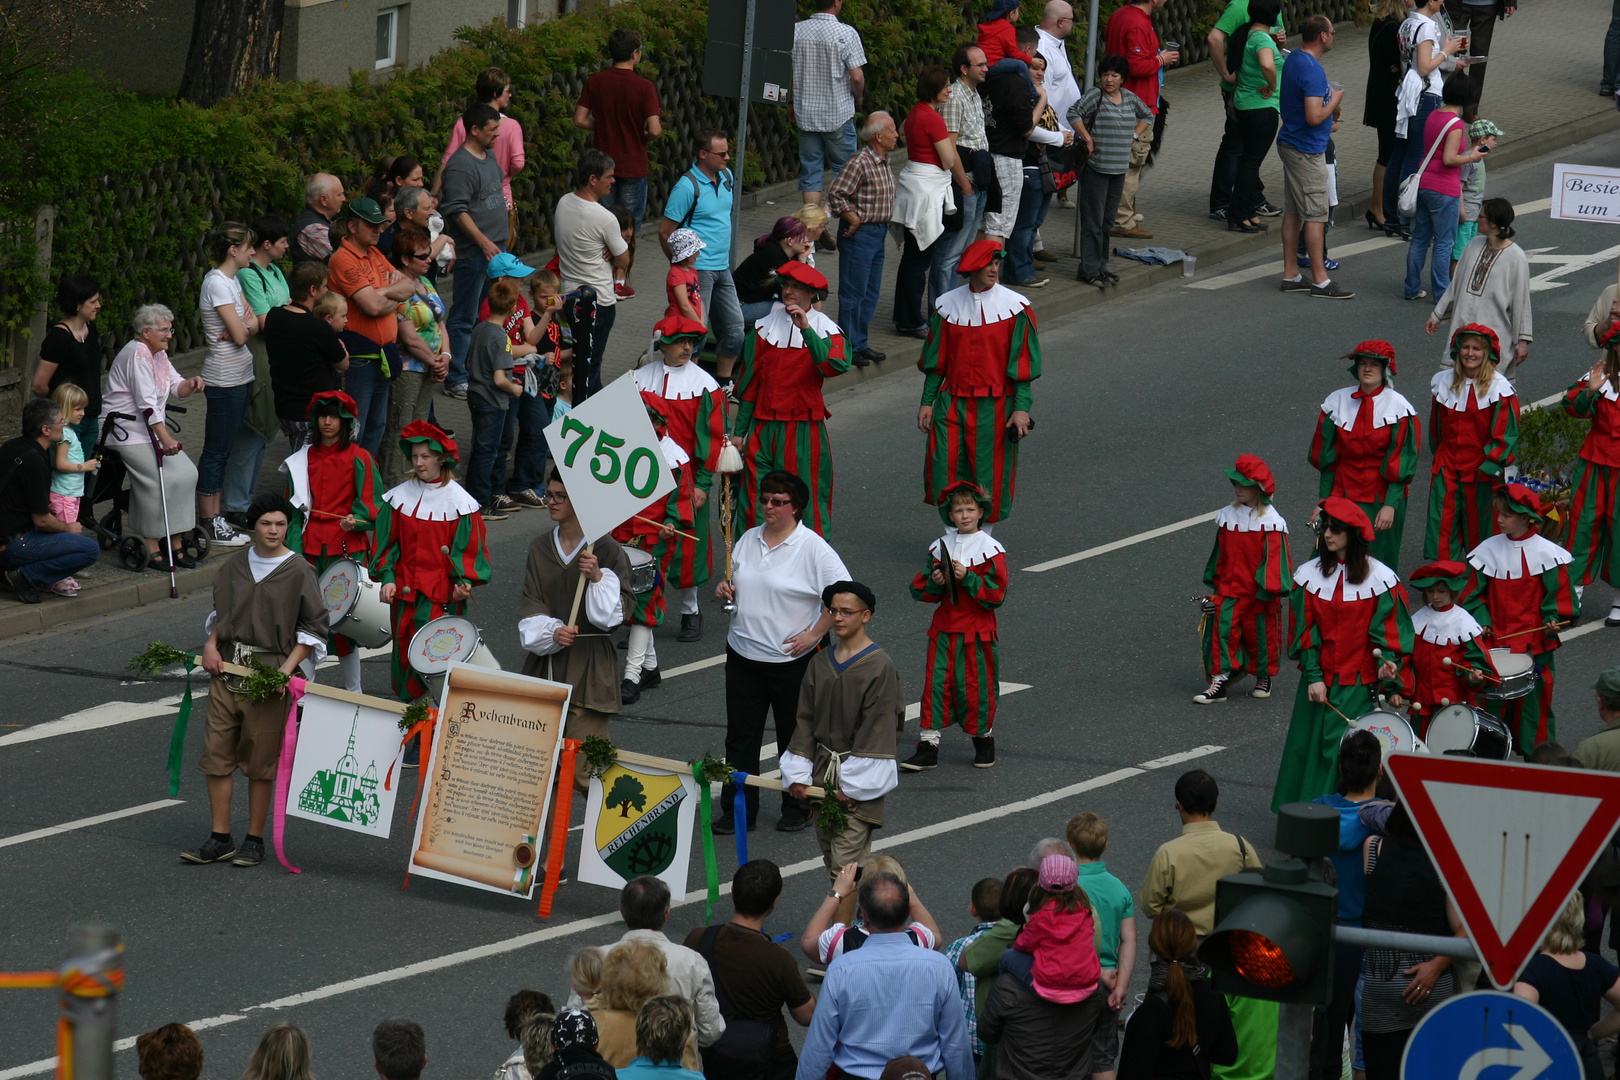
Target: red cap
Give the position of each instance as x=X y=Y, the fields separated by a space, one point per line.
x=1375 y=350
x=1521 y=500
x=978 y=254
x=1447 y=572
x=802 y=274
x=1607 y=337
x=422 y=431
x=1250 y=470
x=1348 y=513
x=671 y=327
x=1493 y=347
x=345 y=403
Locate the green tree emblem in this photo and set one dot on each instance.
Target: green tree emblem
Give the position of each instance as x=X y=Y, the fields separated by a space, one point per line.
x=627 y=791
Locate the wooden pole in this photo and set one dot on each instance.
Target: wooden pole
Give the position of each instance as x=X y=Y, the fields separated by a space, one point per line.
x=579 y=588
x=630 y=757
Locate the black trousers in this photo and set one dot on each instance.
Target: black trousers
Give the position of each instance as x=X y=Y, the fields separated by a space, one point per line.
x=1477 y=24
x=1259 y=129
x=1227 y=158
x=754 y=688
x=911 y=284
x=1328 y=1024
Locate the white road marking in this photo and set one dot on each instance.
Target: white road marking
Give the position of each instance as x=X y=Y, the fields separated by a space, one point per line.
x=1269 y=268
x=109 y=714
x=1563 y=265
x=1581 y=631
x=1141 y=537
x=85 y=823
x=1532 y=207
x=698 y=665
x=552 y=933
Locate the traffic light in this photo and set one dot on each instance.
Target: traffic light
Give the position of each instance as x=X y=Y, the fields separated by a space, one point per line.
x=1273 y=934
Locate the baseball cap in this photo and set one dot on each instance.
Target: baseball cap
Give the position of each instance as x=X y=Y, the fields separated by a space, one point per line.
x=508 y=265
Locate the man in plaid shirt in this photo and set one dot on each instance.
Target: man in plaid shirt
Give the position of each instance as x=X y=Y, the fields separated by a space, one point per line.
x=827 y=85
x=986 y=903
x=863 y=195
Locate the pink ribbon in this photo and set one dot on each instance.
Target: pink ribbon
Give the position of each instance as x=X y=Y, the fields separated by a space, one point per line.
x=289 y=747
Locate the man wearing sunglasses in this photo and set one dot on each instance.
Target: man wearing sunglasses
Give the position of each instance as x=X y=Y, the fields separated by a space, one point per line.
x=701 y=201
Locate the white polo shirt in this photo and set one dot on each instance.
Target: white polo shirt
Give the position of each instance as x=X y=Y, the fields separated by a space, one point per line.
x=779 y=590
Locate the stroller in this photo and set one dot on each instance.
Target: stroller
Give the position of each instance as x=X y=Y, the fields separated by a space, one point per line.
x=110 y=486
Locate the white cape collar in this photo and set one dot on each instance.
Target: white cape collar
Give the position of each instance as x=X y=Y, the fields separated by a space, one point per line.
x=1247 y=519
x=969 y=550
x=1453 y=626
x=1608 y=390
x=1440 y=387
x=439 y=502
x=675 y=383
x=1501 y=556
x=1380 y=579
x=1388 y=407
x=964 y=307
x=778 y=329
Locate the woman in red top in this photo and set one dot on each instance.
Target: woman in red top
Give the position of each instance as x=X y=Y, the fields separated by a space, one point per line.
x=1345 y=604
x=1473 y=431
x=333 y=484
x=922 y=196
x=1594 y=511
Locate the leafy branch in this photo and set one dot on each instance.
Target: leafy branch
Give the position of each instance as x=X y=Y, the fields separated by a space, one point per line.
x=265 y=683
x=832 y=819
x=415 y=713
x=600 y=754
x=713 y=770
x=159 y=657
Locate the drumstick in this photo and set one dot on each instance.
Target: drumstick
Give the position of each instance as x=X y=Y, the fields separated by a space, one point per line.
x=677 y=532
x=327 y=513
x=1449 y=662
x=1533 y=630
x=1335 y=708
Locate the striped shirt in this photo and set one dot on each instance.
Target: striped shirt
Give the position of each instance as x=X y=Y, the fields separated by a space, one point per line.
x=968 y=983
x=824 y=52
x=963 y=112
x=1113 y=128
x=866 y=186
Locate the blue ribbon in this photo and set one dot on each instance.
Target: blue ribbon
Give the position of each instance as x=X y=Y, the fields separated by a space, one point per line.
x=739 y=814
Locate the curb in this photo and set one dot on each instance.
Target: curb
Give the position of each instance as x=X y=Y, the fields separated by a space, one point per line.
x=55 y=611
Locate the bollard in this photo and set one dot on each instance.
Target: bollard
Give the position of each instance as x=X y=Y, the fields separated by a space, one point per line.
x=90 y=982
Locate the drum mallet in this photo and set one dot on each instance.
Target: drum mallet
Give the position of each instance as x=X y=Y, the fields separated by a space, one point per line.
x=455 y=571
x=660 y=524
x=1534 y=630
x=1449 y=662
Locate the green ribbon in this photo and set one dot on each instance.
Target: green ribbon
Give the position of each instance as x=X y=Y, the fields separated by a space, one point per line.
x=177 y=741
x=705 y=821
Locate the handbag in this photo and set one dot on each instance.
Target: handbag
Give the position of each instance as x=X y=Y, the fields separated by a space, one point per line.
x=745 y=1048
x=1407 y=203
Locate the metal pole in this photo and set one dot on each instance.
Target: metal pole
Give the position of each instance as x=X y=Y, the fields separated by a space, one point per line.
x=92 y=977
x=1092 y=15
x=737 y=159
x=1458 y=948
x=1294 y=1042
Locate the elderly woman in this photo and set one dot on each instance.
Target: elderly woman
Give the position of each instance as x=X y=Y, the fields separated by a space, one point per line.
x=139 y=384
x=1474 y=433
x=776 y=587
x=755 y=277
x=1491 y=285
x=922 y=198
x=1572 y=983
x=633 y=974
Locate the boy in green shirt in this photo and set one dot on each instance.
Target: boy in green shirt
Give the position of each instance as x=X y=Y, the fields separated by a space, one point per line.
x=1115 y=918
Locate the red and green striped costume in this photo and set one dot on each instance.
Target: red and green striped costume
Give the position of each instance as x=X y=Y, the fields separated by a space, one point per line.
x=964 y=660
x=419 y=519
x=1594 y=511
x=1249 y=570
x=336 y=481
x=1366 y=448
x=781 y=415
x=674 y=510
x=1515 y=586
x=1473 y=438
x=695 y=407
x=1336 y=627
x=1431 y=684
x=981 y=355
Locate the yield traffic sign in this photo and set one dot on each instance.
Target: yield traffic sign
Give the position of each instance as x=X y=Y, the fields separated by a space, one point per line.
x=1514 y=1038
x=1512 y=842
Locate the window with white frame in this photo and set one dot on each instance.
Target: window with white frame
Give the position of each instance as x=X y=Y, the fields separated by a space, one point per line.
x=387 y=37
x=517 y=14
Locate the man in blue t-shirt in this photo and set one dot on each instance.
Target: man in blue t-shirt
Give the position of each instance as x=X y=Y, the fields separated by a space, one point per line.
x=700 y=200
x=1307 y=103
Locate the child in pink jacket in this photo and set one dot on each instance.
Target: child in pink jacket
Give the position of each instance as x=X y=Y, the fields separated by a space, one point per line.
x=1060 y=934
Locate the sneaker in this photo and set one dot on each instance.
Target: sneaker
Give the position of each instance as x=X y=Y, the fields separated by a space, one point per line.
x=528 y=498
x=1218 y=214
x=729 y=388
x=1262 y=687
x=211 y=851
x=1332 y=291
x=1215 y=691
x=691 y=628
x=926 y=757
x=507 y=505
x=1033 y=283
x=623 y=291
x=459 y=391
x=251 y=853
x=21 y=586
x=1109 y=276
x=219 y=531
x=1298 y=284
x=1421 y=294
x=629 y=692
x=1614 y=616
x=489 y=513
x=984 y=752
x=723 y=826
x=1304 y=262
x=651 y=679
x=792 y=822
x=1265 y=209
x=62 y=588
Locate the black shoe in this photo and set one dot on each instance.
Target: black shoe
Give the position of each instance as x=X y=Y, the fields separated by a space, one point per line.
x=251 y=853
x=1265 y=209
x=825 y=242
x=629 y=692
x=1216 y=691
x=1245 y=227
x=238 y=520
x=158 y=563
x=19 y=585
x=873 y=355
x=920 y=333
x=184 y=561
x=724 y=826
x=1218 y=214
x=984 y=752
x=1262 y=687
x=859 y=360
x=926 y=757
x=793 y=823
x=1113 y=278
x=691 y=628
x=211 y=851
x=651 y=679
x=1099 y=281
x=413 y=755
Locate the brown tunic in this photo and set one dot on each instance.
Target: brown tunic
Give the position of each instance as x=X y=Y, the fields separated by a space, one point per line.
x=859 y=713
x=268 y=614
x=591 y=664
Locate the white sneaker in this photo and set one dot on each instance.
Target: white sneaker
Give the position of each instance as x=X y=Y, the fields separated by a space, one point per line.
x=225 y=534
x=1614 y=616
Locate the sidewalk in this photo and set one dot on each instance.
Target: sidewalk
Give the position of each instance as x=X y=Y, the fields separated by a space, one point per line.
x=1541 y=91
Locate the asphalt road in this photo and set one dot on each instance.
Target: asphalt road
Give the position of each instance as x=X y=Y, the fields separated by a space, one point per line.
x=1142 y=405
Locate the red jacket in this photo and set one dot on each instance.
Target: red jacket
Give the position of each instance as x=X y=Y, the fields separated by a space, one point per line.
x=1066 y=968
x=999 y=40
x=1131 y=35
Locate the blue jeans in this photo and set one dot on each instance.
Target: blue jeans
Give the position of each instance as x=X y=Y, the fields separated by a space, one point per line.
x=365 y=383
x=471 y=281
x=46 y=558
x=529 y=465
x=226 y=407
x=242 y=470
x=823 y=150
x=1407 y=155
x=752 y=313
x=1434 y=226
x=860 y=280
x=724 y=310
x=942 y=276
x=629 y=192
x=492 y=441
x=1032 y=206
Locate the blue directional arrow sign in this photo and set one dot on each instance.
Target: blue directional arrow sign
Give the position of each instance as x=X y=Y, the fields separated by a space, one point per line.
x=1489 y=1035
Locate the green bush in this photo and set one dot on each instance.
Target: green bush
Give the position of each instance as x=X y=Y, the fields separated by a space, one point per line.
x=1550 y=441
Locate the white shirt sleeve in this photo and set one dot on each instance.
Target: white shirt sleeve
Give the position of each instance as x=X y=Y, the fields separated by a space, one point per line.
x=1041 y=135
x=830 y=566
x=317 y=647
x=824 y=943
x=796 y=769
x=863 y=778
x=208 y=623
x=602 y=605
x=535 y=634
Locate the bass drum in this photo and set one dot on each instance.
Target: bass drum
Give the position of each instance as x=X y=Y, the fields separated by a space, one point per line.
x=354 y=604
x=1391 y=730
x=1470 y=732
x=449 y=639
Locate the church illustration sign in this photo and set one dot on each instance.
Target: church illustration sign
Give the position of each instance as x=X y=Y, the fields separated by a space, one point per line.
x=344 y=754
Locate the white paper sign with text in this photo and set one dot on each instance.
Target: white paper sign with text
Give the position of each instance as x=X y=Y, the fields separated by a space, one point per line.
x=1586 y=193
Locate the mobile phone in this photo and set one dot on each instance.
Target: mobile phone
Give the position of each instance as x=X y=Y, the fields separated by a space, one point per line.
x=1483 y=149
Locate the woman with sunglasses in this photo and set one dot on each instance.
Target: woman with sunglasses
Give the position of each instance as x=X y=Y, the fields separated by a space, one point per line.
x=1346 y=604
x=424 y=349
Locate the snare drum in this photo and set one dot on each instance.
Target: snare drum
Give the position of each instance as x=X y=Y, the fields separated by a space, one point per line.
x=1391 y=730
x=354 y=604
x=643 y=570
x=1518 y=674
x=449 y=639
x=1474 y=732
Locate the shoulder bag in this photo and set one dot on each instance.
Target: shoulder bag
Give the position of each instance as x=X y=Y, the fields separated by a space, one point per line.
x=745 y=1048
x=1409 y=187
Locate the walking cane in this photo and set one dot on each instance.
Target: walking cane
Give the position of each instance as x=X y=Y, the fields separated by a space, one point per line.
x=163 y=496
x=731 y=462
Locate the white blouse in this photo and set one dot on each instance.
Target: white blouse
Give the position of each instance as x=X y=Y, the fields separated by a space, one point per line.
x=138 y=380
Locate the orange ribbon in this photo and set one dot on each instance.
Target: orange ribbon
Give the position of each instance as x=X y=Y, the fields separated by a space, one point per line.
x=559 y=825
x=422 y=731
x=75 y=983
